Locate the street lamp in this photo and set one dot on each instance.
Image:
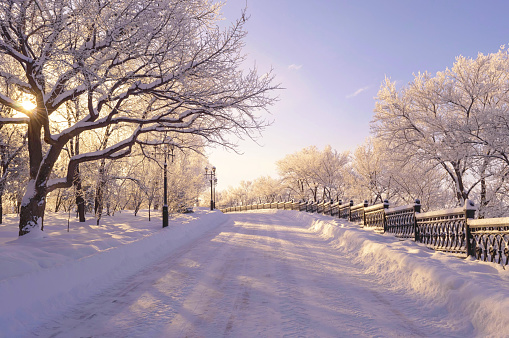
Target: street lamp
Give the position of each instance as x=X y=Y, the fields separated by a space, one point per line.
x=165 y=197
x=165 y=182
x=211 y=176
x=215 y=184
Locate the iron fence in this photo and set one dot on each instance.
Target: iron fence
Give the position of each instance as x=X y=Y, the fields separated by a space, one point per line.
x=401 y=221
x=450 y=230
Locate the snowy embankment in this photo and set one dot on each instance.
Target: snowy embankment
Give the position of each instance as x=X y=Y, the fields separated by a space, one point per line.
x=477 y=290
x=42 y=275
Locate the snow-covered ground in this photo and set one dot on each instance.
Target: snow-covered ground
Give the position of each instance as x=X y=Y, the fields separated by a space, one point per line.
x=43 y=275
x=266 y=273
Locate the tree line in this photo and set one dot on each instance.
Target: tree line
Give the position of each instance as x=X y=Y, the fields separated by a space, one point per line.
x=441 y=138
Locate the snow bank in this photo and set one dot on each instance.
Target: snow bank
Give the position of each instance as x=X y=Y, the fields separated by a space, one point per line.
x=478 y=290
x=41 y=276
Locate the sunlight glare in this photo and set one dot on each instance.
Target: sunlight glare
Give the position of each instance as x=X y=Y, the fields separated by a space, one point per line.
x=28 y=105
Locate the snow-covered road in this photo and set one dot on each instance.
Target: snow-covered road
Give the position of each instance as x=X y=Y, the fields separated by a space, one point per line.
x=264 y=274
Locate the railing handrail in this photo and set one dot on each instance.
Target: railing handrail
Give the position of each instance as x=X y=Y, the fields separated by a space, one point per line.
x=498 y=222
x=376 y=207
x=441 y=213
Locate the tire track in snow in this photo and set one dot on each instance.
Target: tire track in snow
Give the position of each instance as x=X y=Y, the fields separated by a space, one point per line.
x=139 y=305
x=294 y=319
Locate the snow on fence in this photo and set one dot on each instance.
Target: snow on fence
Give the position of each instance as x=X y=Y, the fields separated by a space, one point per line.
x=449 y=230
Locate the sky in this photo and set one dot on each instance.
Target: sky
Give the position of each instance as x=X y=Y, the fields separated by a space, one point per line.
x=331 y=58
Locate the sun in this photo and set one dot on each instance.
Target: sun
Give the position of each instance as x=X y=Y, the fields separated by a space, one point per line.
x=28 y=105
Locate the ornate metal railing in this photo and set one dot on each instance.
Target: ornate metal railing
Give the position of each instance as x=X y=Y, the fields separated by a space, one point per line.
x=344 y=210
x=451 y=230
x=446 y=230
x=374 y=216
x=334 y=210
x=490 y=239
x=400 y=221
x=357 y=213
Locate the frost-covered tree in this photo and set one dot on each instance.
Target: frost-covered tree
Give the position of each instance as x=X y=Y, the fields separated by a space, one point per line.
x=12 y=144
x=299 y=172
x=331 y=173
x=370 y=177
x=149 y=66
x=185 y=180
x=267 y=189
x=314 y=174
x=455 y=120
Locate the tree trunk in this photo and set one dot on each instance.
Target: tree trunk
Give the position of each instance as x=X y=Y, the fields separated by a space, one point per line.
x=31 y=215
x=484 y=201
x=80 y=201
x=58 y=200
x=34 y=202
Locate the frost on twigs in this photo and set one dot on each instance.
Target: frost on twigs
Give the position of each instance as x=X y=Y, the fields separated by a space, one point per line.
x=137 y=71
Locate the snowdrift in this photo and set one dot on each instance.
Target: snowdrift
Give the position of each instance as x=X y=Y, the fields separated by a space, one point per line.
x=478 y=290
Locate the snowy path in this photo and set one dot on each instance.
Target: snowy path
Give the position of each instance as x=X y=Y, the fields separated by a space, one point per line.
x=261 y=275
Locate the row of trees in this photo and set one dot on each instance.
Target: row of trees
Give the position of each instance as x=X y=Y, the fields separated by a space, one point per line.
x=105 y=187
x=108 y=78
x=454 y=123
x=368 y=172
x=441 y=138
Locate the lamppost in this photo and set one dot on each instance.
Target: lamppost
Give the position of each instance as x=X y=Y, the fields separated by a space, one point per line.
x=211 y=176
x=165 y=181
x=165 y=197
x=215 y=184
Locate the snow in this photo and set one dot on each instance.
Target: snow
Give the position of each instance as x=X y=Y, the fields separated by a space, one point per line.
x=489 y=222
x=262 y=272
x=439 y=213
x=42 y=275
x=401 y=208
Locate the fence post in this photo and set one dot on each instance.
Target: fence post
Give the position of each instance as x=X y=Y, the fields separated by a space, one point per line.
x=364 y=213
x=386 y=206
x=469 y=213
x=350 y=211
x=417 y=208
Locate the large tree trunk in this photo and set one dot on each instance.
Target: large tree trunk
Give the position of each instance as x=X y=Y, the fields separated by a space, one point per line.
x=31 y=215
x=34 y=202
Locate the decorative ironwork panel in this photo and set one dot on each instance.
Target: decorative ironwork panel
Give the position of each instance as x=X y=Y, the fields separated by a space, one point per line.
x=314 y=207
x=344 y=211
x=319 y=208
x=401 y=222
x=334 y=211
x=357 y=214
x=444 y=230
x=490 y=239
x=374 y=217
x=327 y=208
